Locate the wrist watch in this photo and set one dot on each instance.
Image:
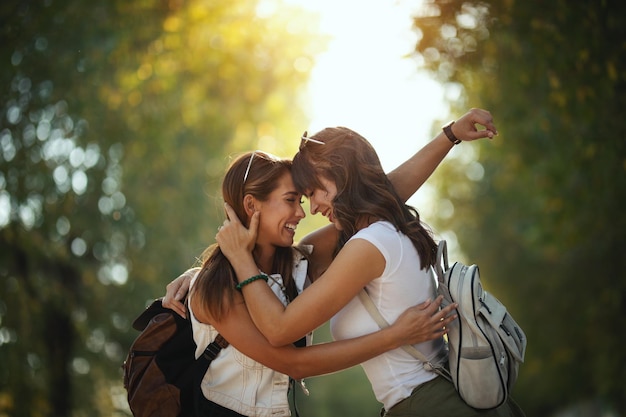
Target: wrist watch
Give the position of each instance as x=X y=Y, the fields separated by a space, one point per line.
x=447 y=129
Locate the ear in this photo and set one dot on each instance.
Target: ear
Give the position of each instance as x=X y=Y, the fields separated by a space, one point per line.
x=249 y=205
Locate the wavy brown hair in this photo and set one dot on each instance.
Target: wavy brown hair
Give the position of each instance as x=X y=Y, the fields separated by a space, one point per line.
x=364 y=192
x=214 y=288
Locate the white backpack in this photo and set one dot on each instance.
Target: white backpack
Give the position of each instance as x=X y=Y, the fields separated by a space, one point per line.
x=485 y=344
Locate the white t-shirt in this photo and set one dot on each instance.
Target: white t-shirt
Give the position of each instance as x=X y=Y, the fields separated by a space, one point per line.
x=404 y=283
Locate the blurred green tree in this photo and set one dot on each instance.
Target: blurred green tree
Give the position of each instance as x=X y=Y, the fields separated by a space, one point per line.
x=540 y=207
x=116 y=120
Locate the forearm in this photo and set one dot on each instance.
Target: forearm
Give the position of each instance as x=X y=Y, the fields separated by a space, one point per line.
x=331 y=357
x=267 y=312
x=411 y=175
x=320 y=359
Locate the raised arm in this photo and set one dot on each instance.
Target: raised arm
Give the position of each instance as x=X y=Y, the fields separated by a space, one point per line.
x=407 y=178
x=410 y=175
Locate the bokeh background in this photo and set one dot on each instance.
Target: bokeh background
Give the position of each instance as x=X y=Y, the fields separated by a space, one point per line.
x=119 y=118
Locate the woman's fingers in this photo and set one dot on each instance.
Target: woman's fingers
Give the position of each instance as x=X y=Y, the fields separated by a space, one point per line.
x=230 y=214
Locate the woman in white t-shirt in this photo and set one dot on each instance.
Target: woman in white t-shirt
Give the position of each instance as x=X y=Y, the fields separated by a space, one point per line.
x=383 y=247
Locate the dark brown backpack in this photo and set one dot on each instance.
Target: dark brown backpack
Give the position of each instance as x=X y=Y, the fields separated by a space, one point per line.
x=161 y=374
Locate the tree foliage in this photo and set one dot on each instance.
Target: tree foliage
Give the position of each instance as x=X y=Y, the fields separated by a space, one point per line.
x=116 y=121
x=539 y=208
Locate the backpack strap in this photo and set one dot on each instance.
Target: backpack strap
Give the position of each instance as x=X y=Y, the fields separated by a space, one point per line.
x=442 y=256
x=202 y=365
x=436 y=367
x=214 y=348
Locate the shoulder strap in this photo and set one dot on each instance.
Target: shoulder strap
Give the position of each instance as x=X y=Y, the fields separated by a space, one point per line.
x=202 y=365
x=382 y=323
x=411 y=350
x=442 y=256
x=214 y=348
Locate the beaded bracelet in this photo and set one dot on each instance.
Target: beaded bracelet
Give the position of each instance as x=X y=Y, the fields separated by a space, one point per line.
x=251 y=279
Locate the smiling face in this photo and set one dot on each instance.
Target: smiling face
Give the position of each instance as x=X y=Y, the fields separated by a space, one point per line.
x=280 y=214
x=321 y=200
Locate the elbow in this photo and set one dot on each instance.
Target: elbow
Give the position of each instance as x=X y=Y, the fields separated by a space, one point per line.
x=307 y=365
x=289 y=362
x=299 y=363
x=275 y=342
x=278 y=338
x=278 y=341
x=300 y=370
x=298 y=374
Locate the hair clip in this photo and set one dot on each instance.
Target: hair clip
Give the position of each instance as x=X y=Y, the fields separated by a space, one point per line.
x=245 y=176
x=305 y=138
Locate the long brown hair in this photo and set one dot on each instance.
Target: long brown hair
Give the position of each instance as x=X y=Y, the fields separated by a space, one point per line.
x=214 y=288
x=363 y=189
